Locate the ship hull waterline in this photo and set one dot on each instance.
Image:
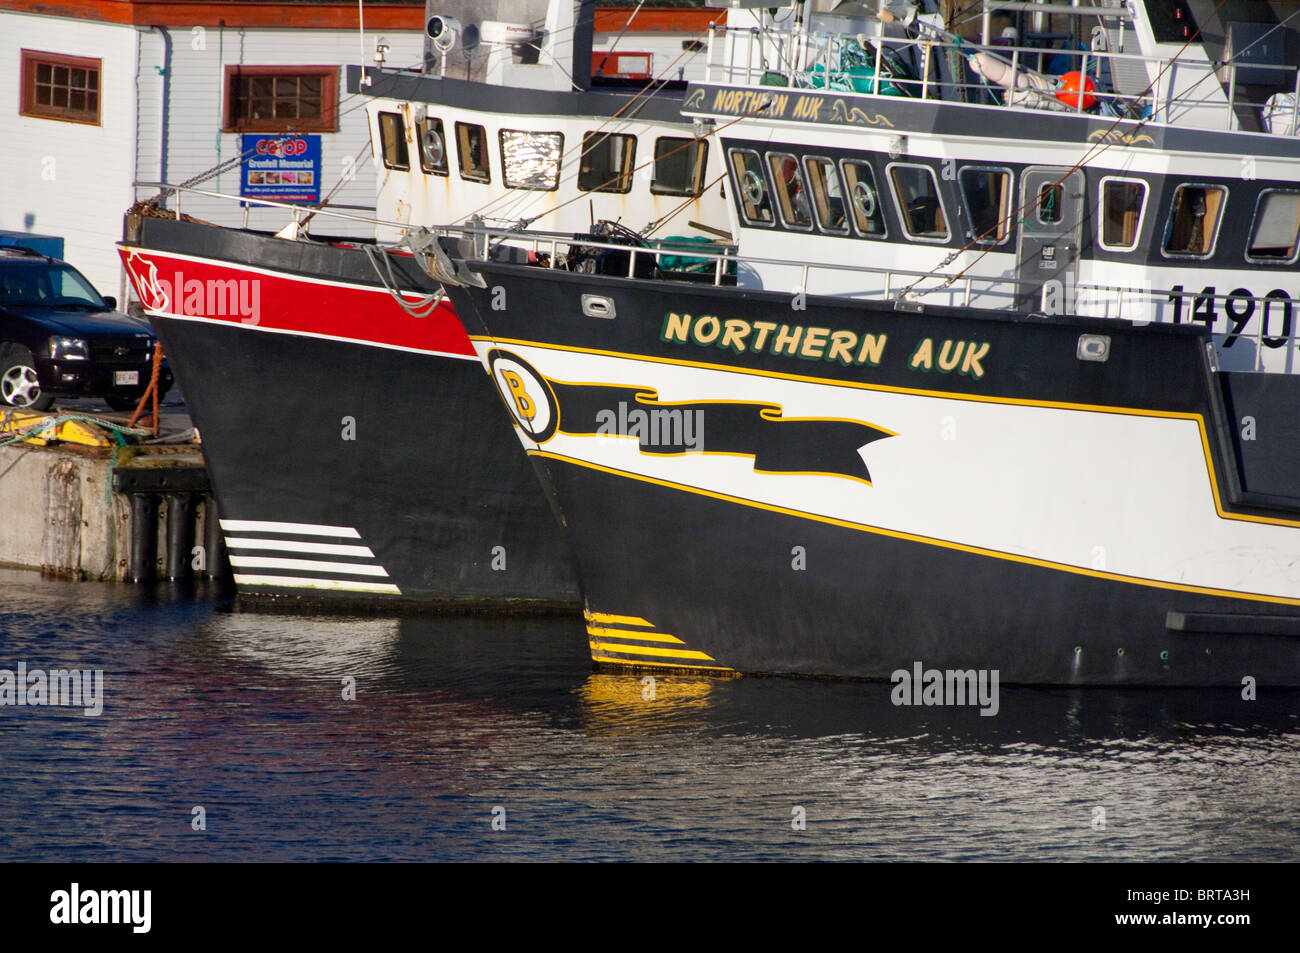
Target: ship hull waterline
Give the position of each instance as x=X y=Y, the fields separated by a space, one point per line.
x=359 y=457
x=999 y=502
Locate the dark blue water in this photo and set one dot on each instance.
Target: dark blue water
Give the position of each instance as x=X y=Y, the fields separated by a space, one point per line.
x=242 y=713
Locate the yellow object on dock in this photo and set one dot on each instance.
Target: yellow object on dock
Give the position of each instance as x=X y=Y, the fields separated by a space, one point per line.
x=83 y=432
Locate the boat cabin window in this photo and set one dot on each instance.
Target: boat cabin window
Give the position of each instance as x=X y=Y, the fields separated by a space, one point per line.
x=864 y=199
x=1275 y=236
x=531 y=160
x=1049 y=204
x=916 y=192
x=607 y=162
x=1194 y=220
x=791 y=193
x=986 y=194
x=472 y=150
x=679 y=166
x=751 y=187
x=1122 y=203
x=433 y=146
x=827 y=195
x=392 y=140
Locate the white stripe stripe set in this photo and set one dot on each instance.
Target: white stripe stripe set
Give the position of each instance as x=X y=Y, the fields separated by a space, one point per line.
x=302 y=538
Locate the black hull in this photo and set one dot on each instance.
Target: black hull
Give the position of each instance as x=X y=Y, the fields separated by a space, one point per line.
x=868 y=605
x=351 y=469
x=698 y=576
x=433 y=480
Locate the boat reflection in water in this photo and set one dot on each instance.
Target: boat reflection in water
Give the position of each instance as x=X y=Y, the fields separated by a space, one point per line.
x=243 y=714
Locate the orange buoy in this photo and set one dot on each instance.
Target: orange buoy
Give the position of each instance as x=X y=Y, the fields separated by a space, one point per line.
x=1067 y=90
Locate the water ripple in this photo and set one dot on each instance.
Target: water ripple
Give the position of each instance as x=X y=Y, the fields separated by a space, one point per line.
x=457 y=722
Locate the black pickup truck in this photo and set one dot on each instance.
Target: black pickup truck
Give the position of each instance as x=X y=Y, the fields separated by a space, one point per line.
x=60 y=338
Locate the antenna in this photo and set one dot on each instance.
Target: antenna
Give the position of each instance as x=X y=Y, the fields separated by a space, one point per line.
x=361 y=28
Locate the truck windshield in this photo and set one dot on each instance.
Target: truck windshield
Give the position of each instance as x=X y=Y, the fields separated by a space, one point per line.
x=47 y=286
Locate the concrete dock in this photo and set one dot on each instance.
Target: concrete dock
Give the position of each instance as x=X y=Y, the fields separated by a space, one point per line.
x=81 y=500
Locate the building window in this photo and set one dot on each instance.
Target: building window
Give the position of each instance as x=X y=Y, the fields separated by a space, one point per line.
x=987 y=196
x=433 y=146
x=607 y=162
x=916 y=192
x=1194 y=220
x=392 y=141
x=60 y=87
x=282 y=99
x=531 y=160
x=1122 y=204
x=1275 y=236
x=679 y=166
x=472 y=150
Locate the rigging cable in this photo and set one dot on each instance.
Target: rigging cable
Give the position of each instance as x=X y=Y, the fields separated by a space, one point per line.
x=1104 y=142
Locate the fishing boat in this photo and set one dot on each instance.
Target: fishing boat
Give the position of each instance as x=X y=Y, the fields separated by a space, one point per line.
x=357 y=452
x=1001 y=378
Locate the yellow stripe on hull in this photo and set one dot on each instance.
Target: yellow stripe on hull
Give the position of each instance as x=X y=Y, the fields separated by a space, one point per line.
x=598 y=631
x=597 y=645
x=608 y=619
x=609 y=633
x=647 y=663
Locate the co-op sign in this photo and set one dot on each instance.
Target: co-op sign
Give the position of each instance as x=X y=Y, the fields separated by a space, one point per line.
x=284 y=168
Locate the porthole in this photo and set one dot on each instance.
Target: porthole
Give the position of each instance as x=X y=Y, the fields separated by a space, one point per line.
x=864 y=199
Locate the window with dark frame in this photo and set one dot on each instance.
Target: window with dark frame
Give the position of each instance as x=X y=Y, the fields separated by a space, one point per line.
x=60 y=87
x=751 y=187
x=986 y=193
x=679 y=166
x=1194 y=220
x=472 y=151
x=1049 y=203
x=828 y=195
x=531 y=160
x=433 y=146
x=392 y=141
x=281 y=99
x=1122 y=203
x=916 y=193
x=791 y=194
x=607 y=162
x=864 y=202
x=1275 y=233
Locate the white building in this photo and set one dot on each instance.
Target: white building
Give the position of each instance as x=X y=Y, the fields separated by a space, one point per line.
x=98 y=95
x=102 y=98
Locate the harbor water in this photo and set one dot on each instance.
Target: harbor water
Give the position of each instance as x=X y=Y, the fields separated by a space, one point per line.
x=232 y=735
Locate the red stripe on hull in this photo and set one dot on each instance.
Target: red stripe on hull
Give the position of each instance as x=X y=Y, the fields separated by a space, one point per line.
x=286 y=302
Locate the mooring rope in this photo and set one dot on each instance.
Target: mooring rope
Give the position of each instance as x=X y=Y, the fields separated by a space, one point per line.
x=31 y=430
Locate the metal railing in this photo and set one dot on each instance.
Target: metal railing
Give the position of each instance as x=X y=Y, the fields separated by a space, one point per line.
x=906 y=288
x=1179 y=94
x=298 y=210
